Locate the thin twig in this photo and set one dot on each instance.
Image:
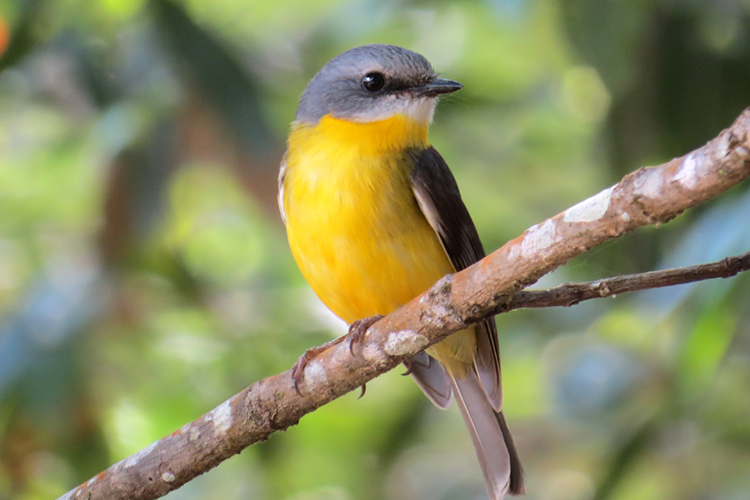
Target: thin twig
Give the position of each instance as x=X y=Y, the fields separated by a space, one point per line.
x=570 y=294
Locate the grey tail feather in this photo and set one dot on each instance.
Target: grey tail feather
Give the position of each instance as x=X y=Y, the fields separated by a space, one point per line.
x=432 y=378
x=493 y=443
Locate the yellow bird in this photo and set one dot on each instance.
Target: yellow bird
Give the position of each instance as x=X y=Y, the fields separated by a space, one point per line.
x=374 y=218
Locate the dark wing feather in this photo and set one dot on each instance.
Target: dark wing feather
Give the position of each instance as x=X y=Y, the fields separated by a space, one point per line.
x=440 y=201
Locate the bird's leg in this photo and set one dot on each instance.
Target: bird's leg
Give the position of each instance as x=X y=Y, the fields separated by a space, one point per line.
x=356 y=334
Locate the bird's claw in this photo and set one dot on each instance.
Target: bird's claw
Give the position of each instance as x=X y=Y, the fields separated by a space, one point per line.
x=409 y=368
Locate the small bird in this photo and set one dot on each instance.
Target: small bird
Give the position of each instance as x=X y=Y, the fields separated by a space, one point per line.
x=374 y=217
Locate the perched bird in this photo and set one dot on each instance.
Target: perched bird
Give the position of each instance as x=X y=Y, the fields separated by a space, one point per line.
x=374 y=218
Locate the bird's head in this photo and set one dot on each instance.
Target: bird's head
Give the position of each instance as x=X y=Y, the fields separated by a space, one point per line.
x=373 y=83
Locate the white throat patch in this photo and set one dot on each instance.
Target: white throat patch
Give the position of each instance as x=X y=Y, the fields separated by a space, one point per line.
x=420 y=109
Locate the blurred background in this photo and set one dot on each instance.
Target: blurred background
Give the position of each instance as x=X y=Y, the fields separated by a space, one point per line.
x=145 y=275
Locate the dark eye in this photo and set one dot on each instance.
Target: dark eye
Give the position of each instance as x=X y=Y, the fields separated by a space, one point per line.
x=373 y=82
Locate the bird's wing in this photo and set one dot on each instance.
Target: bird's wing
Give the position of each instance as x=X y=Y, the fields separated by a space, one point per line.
x=439 y=199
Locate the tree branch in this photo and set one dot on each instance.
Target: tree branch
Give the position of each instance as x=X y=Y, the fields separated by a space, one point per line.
x=647 y=196
x=570 y=294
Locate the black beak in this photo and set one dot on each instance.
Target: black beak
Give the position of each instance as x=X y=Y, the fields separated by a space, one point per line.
x=437 y=86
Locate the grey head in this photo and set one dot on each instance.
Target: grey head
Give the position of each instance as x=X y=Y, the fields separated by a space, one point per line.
x=371 y=83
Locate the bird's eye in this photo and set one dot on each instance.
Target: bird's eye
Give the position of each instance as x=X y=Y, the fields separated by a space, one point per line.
x=373 y=82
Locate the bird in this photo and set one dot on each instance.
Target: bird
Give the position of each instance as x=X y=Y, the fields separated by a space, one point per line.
x=374 y=217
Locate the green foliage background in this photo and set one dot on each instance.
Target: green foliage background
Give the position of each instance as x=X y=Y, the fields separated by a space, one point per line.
x=145 y=276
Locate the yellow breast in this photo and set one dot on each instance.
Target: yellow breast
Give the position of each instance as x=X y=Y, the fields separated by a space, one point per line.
x=353 y=223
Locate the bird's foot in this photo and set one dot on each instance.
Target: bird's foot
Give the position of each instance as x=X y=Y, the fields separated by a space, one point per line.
x=298 y=370
x=356 y=334
x=358 y=329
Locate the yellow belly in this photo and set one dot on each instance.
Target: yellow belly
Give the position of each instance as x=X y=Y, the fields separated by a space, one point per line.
x=355 y=228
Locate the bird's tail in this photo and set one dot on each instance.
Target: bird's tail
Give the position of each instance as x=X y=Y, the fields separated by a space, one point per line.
x=491 y=437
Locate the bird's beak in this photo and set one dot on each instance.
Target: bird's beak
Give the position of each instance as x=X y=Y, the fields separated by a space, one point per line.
x=437 y=86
